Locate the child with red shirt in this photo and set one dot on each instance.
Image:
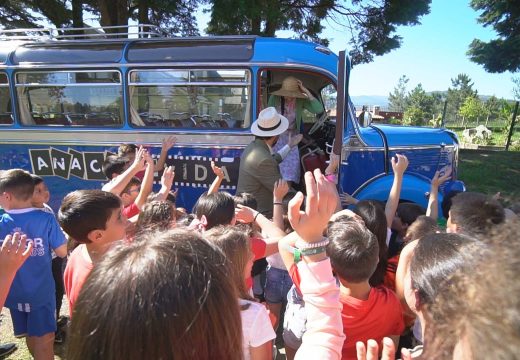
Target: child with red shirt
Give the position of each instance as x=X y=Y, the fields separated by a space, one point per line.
x=94 y=219
x=368 y=313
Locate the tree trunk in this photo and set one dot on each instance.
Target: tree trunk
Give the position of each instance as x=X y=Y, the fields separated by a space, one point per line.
x=487 y=120
x=143 y=12
x=77 y=13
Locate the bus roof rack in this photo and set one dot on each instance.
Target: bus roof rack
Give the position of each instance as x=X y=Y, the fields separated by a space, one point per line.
x=137 y=31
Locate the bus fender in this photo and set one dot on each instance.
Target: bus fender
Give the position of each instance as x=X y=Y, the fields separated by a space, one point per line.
x=414 y=189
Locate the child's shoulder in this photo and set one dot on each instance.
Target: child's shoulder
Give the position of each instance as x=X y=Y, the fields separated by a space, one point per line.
x=383 y=295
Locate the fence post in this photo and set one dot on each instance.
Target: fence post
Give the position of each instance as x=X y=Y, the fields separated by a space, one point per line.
x=444 y=113
x=512 y=127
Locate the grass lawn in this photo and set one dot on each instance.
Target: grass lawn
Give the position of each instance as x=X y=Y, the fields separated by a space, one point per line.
x=491 y=172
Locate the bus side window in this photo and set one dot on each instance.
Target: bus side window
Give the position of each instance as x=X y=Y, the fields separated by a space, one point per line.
x=207 y=98
x=70 y=98
x=6 y=117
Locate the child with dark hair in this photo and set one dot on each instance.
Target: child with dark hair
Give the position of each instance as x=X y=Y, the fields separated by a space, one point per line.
x=257 y=330
x=94 y=219
x=368 y=312
x=436 y=257
x=474 y=214
x=31 y=299
x=129 y=152
x=167 y=295
x=40 y=198
x=119 y=171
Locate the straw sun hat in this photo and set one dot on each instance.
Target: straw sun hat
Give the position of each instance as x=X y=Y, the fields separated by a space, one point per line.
x=269 y=123
x=290 y=89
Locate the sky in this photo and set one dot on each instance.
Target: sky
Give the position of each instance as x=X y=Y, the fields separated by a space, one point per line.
x=431 y=53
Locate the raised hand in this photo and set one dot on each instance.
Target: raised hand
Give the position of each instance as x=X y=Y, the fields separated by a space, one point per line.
x=217 y=170
x=319 y=206
x=244 y=214
x=139 y=160
x=168 y=143
x=14 y=251
x=399 y=164
x=281 y=188
x=438 y=180
x=371 y=351
x=167 y=177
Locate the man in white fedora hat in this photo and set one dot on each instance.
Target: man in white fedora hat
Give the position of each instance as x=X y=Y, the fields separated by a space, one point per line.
x=258 y=165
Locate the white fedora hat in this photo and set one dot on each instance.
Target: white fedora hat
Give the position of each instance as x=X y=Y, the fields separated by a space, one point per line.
x=269 y=123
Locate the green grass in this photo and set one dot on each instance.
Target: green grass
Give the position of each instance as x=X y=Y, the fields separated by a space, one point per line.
x=490 y=172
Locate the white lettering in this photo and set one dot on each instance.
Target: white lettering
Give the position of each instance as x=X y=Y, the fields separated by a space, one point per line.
x=38 y=242
x=198 y=177
x=226 y=174
x=42 y=164
x=75 y=164
x=60 y=164
x=98 y=169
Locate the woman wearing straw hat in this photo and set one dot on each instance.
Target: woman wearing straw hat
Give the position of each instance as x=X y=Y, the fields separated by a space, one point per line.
x=290 y=101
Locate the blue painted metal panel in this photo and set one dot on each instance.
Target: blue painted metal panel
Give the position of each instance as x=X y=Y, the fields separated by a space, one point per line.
x=284 y=51
x=360 y=167
x=414 y=135
x=414 y=189
x=66 y=169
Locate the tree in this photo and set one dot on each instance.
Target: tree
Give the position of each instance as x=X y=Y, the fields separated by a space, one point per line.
x=420 y=107
x=472 y=109
x=175 y=16
x=516 y=88
x=503 y=53
x=372 y=25
x=398 y=98
x=462 y=88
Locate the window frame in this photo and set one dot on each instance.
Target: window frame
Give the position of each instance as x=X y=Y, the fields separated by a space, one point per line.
x=119 y=84
x=6 y=86
x=249 y=84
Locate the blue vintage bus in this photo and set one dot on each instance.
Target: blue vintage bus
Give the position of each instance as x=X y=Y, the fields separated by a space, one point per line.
x=65 y=101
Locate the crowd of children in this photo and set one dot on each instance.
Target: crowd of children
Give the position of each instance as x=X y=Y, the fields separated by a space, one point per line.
x=145 y=279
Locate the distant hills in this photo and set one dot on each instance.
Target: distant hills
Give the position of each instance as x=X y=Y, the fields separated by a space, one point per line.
x=382 y=100
x=370 y=100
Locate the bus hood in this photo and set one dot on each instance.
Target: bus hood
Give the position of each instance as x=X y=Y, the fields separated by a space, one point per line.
x=416 y=135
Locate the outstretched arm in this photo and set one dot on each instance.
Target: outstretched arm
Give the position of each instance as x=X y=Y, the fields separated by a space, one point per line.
x=433 y=201
x=281 y=188
x=117 y=185
x=147 y=184
x=166 y=183
x=215 y=185
x=167 y=144
x=399 y=165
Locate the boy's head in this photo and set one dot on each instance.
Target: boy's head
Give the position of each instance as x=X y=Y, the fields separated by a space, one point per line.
x=16 y=185
x=114 y=165
x=353 y=250
x=474 y=213
x=217 y=209
x=405 y=215
x=92 y=216
x=421 y=227
x=41 y=193
x=131 y=191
